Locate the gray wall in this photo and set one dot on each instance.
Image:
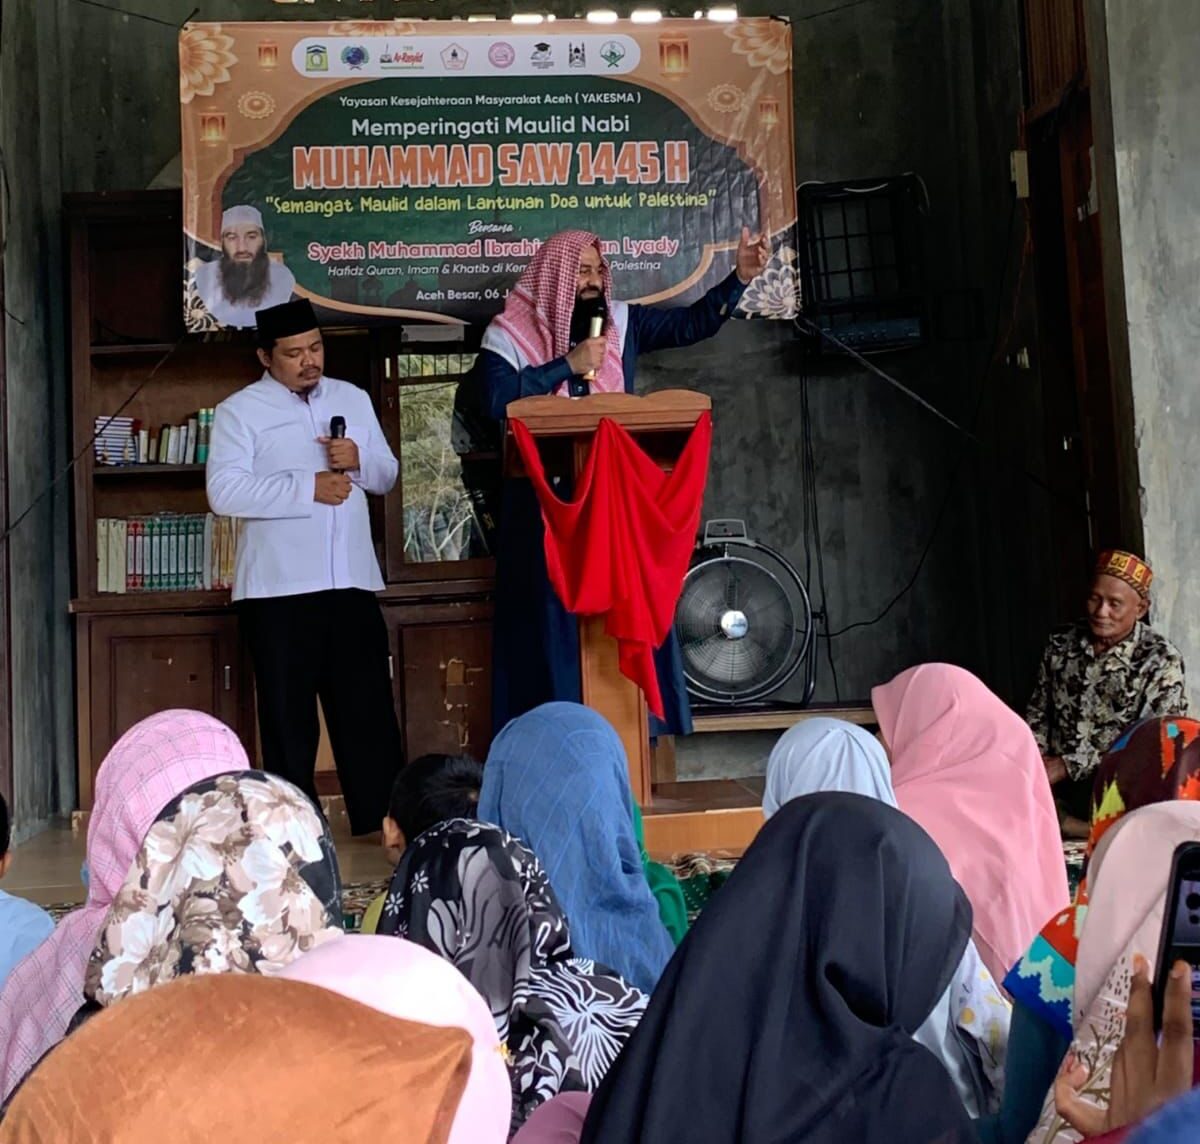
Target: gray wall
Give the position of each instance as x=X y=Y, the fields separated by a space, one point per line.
x=885 y=87
x=1148 y=161
x=43 y=742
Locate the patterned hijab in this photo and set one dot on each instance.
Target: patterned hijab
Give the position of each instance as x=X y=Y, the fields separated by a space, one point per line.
x=537 y=313
x=245 y=1060
x=967 y=768
x=475 y=896
x=149 y=766
x=1157 y=760
x=788 y=1011
x=237 y=875
x=557 y=778
x=1130 y=876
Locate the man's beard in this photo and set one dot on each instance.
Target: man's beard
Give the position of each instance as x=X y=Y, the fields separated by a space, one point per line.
x=245 y=282
x=581 y=317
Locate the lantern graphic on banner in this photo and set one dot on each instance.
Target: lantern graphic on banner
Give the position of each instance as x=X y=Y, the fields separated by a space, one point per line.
x=768 y=113
x=212 y=127
x=673 y=55
x=268 y=54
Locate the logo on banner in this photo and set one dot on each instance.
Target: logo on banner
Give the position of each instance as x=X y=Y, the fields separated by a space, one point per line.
x=576 y=56
x=542 y=56
x=316 y=58
x=454 y=58
x=612 y=53
x=501 y=54
x=406 y=58
x=355 y=56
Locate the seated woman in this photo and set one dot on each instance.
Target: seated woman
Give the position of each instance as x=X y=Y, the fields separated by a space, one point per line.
x=244 y=1060
x=149 y=766
x=1128 y=881
x=237 y=875
x=967 y=769
x=403 y=980
x=1156 y=761
x=477 y=897
x=968 y=1029
x=557 y=778
x=788 y=1011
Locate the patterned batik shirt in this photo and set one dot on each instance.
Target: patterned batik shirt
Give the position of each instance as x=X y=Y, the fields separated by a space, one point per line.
x=1083 y=701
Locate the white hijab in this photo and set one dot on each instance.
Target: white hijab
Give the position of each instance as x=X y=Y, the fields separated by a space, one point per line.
x=826 y=755
x=968 y=1031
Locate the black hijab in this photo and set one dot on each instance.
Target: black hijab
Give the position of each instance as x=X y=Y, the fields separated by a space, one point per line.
x=787 y=1013
x=477 y=897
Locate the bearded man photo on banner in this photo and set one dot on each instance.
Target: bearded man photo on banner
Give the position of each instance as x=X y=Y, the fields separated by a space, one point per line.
x=540 y=344
x=244 y=279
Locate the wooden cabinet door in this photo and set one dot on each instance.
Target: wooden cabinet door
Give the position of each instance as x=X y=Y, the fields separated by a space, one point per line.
x=442 y=675
x=140 y=665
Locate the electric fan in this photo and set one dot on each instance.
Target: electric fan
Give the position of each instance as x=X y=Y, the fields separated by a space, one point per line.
x=744 y=620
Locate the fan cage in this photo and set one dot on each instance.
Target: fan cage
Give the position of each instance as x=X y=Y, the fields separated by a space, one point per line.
x=783 y=658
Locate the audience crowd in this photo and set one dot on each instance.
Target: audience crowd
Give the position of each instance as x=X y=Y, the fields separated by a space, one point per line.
x=896 y=957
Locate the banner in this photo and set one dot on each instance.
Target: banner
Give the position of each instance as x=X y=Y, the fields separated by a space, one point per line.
x=387 y=169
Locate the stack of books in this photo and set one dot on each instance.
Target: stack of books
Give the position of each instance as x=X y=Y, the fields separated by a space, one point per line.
x=116 y=442
x=123 y=441
x=167 y=552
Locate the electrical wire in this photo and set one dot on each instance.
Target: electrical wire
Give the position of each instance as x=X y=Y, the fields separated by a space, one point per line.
x=969 y=436
x=91 y=441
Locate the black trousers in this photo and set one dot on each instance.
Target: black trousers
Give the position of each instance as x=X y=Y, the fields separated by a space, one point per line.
x=331 y=645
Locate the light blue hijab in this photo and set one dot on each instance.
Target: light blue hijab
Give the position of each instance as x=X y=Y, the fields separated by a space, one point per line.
x=826 y=755
x=556 y=777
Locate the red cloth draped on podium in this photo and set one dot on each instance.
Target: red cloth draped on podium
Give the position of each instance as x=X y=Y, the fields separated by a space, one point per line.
x=621 y=547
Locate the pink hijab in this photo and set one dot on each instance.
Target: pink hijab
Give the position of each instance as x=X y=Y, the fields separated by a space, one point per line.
x=559 y=1121
x=537 y=314
x=405 y=980
x=967 y=769
x=151 y=764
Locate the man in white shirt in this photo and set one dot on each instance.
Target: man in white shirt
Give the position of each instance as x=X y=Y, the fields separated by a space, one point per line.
x=306 y=571
x=244 y=279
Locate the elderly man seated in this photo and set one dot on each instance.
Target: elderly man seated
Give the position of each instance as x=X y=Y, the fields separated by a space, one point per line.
x=1098 y=677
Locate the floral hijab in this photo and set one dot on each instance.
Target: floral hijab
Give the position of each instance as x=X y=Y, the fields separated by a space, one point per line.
x=237 y=875
x=1158 y=760
x=474 y=895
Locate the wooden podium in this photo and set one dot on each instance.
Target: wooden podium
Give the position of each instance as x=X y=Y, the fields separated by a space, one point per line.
x=563 y=429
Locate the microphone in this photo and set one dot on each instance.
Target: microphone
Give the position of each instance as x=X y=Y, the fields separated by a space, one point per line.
x=337 y=430
x=595 y=329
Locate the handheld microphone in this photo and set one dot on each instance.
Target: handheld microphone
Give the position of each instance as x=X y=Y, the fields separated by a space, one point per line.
x=337 y=430
x=595 y=329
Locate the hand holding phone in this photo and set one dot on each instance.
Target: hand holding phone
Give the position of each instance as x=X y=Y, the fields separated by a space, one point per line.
x=1146 y=1074
x=1180 y=939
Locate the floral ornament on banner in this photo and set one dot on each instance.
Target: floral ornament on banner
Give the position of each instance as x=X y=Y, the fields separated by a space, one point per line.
x=726 y=98
x=204 y=60
x=764 y=43
x=196 y=318
x=775 y=293
x=371 y=28
x=256 y=104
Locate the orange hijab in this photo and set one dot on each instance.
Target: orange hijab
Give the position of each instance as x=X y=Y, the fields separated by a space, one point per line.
x=247 y=1059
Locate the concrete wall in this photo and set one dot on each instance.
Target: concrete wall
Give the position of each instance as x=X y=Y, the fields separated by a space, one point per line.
x=43 y=743
x=1148 y=159
x=930 y=86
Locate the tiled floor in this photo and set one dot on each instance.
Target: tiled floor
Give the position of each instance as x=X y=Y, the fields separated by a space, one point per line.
x=46 y=868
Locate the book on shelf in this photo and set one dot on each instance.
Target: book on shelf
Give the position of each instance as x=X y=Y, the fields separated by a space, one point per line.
x=166 y=552
x=124 y=441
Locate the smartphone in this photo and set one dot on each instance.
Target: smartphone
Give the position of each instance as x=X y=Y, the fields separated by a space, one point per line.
x=1181 y=930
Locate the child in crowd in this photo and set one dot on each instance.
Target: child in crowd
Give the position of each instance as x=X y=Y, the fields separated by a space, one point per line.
x=431 y=789
x=23 y=926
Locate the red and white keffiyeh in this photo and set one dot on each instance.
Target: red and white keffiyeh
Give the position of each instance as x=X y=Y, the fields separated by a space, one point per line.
x=537 y=314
